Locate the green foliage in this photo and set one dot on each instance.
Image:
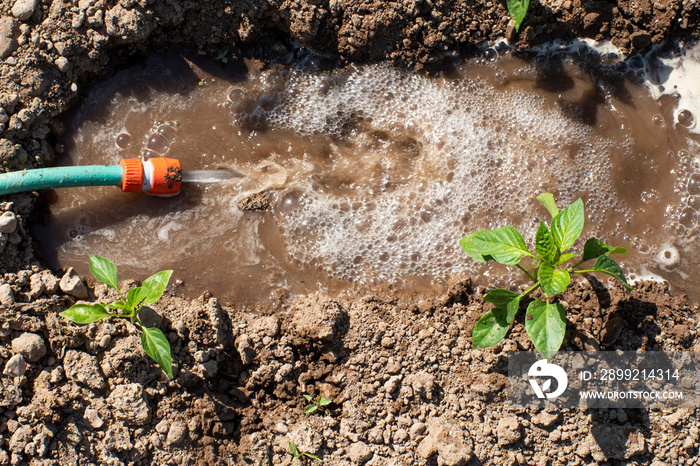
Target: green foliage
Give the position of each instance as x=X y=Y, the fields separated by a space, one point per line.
x=222 y=56
x=545 y=321
x=298 y=456
x=317 y=404
x=518 y=10
x=152 y=339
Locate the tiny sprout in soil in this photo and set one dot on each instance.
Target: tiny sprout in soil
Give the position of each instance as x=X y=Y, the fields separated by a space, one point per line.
x=152 y=339
x=318 y=404
x=517 y=10
x=545 y=321
x=299 y=456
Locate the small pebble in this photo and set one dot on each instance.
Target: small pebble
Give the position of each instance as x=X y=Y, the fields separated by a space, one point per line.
x=16 y=366
x=93 y=417
x=8 y=222
x=29 y=345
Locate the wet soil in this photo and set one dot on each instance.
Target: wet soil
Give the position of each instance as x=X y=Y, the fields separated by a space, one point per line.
x=406 y=384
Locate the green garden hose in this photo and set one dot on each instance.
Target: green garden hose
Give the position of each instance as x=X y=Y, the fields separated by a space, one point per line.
x=60 y=177
x=158 y=176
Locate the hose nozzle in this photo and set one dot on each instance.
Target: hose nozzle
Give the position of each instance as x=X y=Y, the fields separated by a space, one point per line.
x=156 y=176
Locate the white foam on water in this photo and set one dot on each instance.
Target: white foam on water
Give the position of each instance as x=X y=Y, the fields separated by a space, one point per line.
x=679 y=76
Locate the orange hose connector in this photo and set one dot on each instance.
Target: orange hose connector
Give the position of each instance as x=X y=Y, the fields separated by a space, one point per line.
x=167 y=176
x=132 y=179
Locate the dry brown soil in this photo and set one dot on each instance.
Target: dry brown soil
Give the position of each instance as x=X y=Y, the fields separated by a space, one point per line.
x=406 y=384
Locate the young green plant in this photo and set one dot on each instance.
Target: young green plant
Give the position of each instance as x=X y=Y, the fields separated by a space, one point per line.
x=298 y=456
x=545 y=321
x=152 y=339
x=517 y=10
x=318 y=404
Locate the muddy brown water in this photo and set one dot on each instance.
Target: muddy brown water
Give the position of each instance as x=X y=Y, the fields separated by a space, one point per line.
x=373 y=173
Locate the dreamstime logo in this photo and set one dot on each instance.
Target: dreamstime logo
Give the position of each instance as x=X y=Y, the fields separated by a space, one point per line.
x=543 y=369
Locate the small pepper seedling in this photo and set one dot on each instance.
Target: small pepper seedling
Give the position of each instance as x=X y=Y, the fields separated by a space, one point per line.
x=299 y=456
x=545 y=321
x=317 y=404
x=517 y=10
x=152 y=339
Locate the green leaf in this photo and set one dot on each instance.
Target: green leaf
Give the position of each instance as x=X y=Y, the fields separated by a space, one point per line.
x=135 y=296
x=308 y=398
x=313 y=457
x=322 y=401
x=310 y=409
x=518 y=10
x=506 y=300
x=117 y=305
x=568 y=225
x=293 y=449
x=157 y=347
x=608 y=266
x=156 y=284
x=490 y=329
x=545 y=323
x=104 y=270
x=85 y=313
x=595 y=248
x=544 y=244
x=553 y=280
x=505 y=245
x=547 y=200
x=565 y=257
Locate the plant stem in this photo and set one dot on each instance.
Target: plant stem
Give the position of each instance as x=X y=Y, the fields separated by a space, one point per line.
x=526 y=272
x=530 y=290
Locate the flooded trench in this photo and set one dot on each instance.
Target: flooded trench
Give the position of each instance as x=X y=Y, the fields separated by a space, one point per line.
x=374 y=173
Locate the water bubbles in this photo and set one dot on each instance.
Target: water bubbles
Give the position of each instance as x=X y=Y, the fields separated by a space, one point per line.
x=123 y=141
x=688 y=218
x=668 y=256
x=658 y=120
x=685 y=118
x=157 y=143
x=635 y=63
x=693 y=186
x=490 y=54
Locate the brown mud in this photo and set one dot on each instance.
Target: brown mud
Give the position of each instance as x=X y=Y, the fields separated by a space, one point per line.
x=406 y=384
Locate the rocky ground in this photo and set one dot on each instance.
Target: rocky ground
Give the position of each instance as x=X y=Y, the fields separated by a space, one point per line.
x=406 y=385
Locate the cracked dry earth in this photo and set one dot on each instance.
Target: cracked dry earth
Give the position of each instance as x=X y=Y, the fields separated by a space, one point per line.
x=406 y=384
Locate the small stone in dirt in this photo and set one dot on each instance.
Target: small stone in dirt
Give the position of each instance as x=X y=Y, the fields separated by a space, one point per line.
x=10 y=395
x=93 y=417
x=62 y=64
x=317 y=317
x=446 y=438
x=254 y=202
x=128 y=404
x=83 y=368
x=545 y=419
x=246 y=349
x=508 y=430
x=16 y=366
x=176 y=433
x=163 y=426
x=8 y=222
x=23 y=9
x=8 y=37
x=30 y=345
x=50 y=281
x=7 y=297
x=640 y=40
x=36 y=286
x=416 y=430
x=360 y=453
x=20 y=439
x=71 y=284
